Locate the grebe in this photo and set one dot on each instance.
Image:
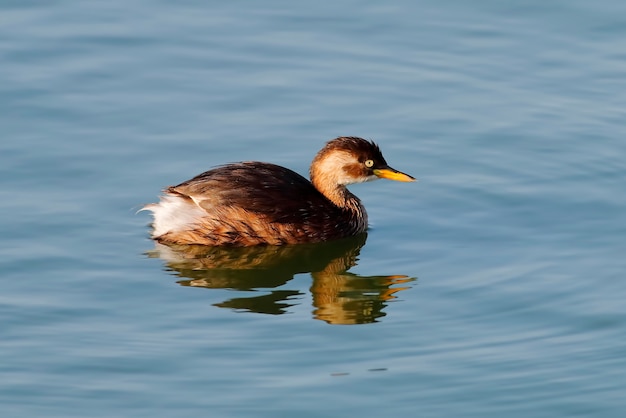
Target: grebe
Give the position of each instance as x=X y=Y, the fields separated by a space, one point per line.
x=253 y=203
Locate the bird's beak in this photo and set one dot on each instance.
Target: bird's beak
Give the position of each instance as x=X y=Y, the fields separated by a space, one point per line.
x=392 y=174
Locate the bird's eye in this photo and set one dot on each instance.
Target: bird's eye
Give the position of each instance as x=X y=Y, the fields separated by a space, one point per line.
x=369 y=163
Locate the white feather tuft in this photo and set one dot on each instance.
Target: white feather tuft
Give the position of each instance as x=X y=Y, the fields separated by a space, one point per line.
x=173 y=214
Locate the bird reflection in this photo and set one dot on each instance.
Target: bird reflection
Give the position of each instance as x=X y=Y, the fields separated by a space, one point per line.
x=339 y=297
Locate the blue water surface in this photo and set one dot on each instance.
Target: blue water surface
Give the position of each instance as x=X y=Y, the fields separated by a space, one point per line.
x=492 y=287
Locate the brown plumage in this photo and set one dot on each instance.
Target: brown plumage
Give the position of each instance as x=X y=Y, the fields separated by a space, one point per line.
x=252 y=203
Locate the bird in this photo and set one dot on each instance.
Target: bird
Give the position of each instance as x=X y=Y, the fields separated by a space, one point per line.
x=256 y=203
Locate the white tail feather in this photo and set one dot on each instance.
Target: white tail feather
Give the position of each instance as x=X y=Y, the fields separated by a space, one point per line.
x=173 y=214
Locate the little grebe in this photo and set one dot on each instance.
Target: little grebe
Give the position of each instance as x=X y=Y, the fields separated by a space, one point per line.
x=252 y=203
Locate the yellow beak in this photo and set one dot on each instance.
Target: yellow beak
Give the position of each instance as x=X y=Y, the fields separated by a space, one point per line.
x=391 y=174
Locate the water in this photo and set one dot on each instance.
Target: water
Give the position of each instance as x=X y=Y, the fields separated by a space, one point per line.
x=490 y=288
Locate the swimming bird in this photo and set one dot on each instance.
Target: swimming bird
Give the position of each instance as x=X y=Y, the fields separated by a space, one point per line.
x=255 y=203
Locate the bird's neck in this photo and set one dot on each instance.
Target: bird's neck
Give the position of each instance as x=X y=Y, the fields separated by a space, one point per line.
x=341 y=197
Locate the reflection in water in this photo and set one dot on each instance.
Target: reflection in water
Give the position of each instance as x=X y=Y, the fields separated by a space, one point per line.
x=339 y=297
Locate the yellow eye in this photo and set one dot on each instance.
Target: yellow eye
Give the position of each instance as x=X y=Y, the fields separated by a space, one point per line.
x=369 y=163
